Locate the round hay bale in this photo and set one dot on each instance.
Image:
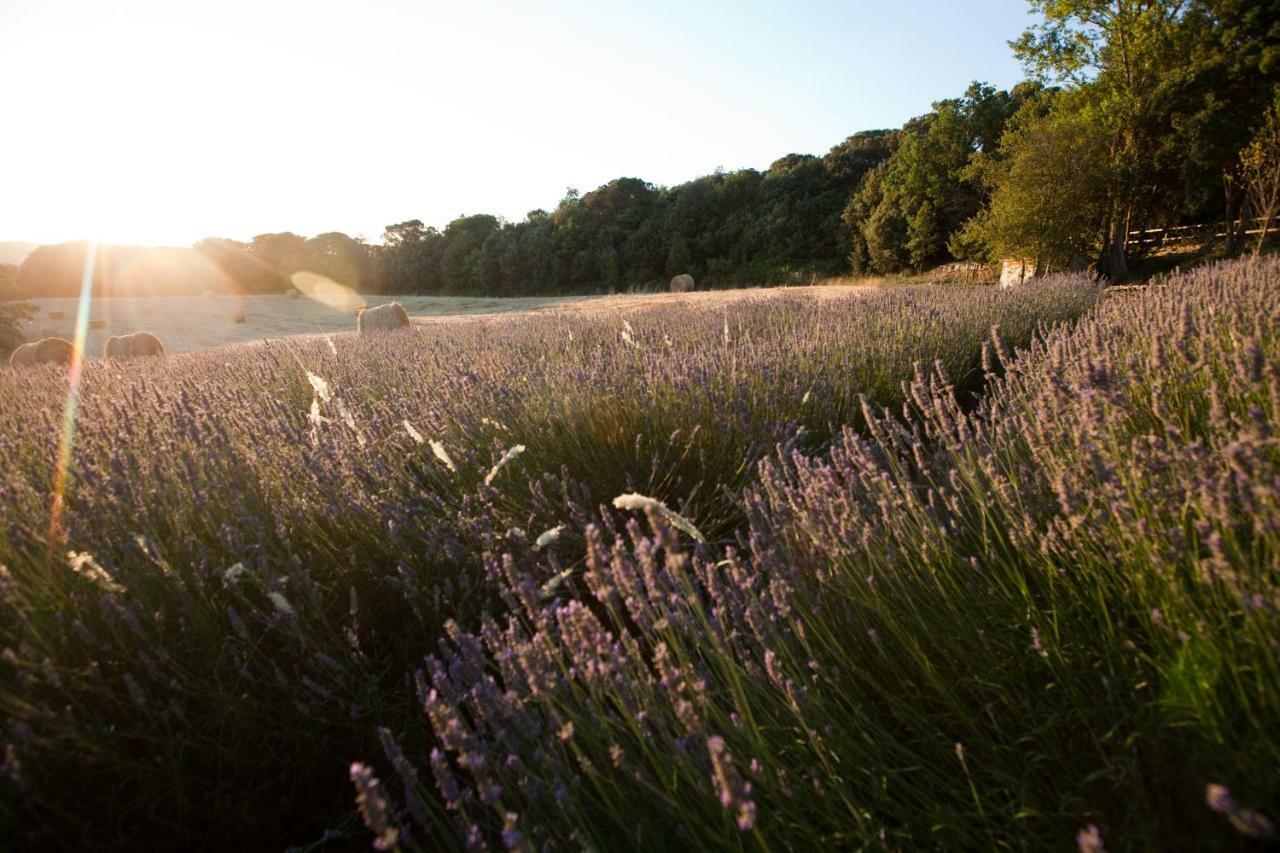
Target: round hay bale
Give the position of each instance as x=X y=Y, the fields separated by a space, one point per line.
x=382 y=318
x=45 y=351
x=682 y=283
x=133 y=346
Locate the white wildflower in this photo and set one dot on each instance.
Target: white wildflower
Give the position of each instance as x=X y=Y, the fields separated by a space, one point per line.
x=628 y=334
x=349 y=420
x=152 y=553
x=495 y=424
x=641 y=503
x=549 y=588
x=320 y=386
x=233 y=573
x=314 y=415
x=83 y=564
x=281 y=603
x=437 y=449
x=413 y=433
x=548 y=537
x=510 y=454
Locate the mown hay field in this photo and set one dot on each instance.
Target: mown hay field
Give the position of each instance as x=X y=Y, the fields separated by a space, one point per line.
x=197 y=323
x=194 y=323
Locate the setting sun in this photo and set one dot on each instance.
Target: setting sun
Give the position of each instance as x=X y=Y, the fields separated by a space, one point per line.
x=166 y=122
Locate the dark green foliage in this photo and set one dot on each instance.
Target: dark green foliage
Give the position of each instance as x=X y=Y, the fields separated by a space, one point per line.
x=12 y=312
x=904 y=214
x=727 y=228
x=1174 y=88
x=1050 y=186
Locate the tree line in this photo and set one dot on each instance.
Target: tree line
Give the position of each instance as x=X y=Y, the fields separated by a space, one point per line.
x=1136 y=115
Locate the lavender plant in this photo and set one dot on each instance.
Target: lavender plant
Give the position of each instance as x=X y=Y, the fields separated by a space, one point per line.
x=1051 y=618
x=256 y=547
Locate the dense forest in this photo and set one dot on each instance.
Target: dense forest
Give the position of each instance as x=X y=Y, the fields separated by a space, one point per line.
x=1134 y=116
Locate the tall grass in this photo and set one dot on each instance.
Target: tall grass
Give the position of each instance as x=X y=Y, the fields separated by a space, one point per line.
x=264 y=560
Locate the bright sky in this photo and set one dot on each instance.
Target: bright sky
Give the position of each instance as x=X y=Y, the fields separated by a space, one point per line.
x=164 y=121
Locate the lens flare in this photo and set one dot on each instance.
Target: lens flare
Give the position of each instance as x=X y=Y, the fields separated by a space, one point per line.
x=62 y=464
x=327 y=292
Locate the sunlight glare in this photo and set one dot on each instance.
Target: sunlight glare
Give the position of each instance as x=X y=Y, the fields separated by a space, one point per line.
x=62 y=463
x=327 y=292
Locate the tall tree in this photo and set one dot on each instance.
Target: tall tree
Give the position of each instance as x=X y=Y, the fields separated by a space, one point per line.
x=1261 y=167
x=1051 y=197
x=13 y=312
x=340 y=258
x=1173 y=84
x=1216 y=100
x=284 y=251
x=905 y=213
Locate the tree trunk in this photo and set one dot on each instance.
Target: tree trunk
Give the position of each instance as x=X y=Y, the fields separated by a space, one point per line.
x=1117 y=261
x=1233 y=230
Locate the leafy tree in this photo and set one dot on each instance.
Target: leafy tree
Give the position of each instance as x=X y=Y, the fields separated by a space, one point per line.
x=885 y=233
x=679 y=258
x=462 y=267
x=904 y=214
x=410 y=262
x=340 y=258
x=1174 y=85
x=1050 y=187
x=13 y=312
x=1261 y=167
x=1214 y=100
x=245 y=271
x=404 y=234
x=283 y=251
x=924 y=239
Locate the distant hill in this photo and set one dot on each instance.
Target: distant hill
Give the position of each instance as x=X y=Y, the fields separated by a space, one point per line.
x=13 y=252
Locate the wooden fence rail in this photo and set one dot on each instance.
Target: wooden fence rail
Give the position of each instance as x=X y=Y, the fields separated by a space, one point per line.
x=1157 y=237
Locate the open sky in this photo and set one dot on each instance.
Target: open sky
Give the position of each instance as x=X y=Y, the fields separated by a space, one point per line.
x=164 y=121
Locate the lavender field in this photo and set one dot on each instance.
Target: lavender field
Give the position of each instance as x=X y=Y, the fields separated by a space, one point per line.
x=957 y=568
